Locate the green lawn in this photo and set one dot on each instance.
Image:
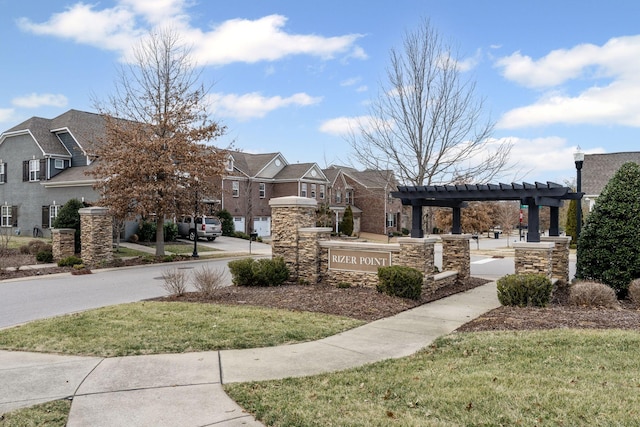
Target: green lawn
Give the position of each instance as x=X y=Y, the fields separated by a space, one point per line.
x=166 y=327
x=546 y=378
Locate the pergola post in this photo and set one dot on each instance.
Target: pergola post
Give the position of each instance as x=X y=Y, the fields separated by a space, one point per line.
x=416 y=222
x=457 y=221
x=533 y=223
x=554 y=223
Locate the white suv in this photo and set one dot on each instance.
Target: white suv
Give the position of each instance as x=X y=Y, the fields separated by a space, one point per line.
x=207 y=227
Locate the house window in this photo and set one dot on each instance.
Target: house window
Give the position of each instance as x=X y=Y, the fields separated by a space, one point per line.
x=347 y=197
x=53 y=213
x=263 y=190
x=235 y=189
x=322 y=191
x=391 y=220
x=303 y=190
x=6 y=216
x=338 y=197
x=313 y=191
x=3 y=174
x=59 y=164
x=34 y=170
x=229 y=165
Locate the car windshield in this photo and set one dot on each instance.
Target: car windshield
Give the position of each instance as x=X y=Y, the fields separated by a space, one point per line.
x=211 y=221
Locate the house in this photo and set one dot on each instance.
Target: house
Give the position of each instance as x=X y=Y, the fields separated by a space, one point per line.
x=369 y=194
x=598 y=169
x=42 y=165
x=252 y=179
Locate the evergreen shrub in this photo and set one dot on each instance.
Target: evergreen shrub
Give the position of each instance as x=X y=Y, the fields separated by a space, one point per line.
x=262 y=272
x=69 y=261
x=400 y=281
x=524 y=290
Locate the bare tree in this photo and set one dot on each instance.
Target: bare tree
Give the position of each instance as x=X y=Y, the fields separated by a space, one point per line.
x=153 y=161
x=426 y=122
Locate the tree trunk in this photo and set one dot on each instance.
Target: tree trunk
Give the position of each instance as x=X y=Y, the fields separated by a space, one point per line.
x=160 y=235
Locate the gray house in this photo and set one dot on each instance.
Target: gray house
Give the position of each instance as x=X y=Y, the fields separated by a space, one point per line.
x=598 y=169
x=42 y=166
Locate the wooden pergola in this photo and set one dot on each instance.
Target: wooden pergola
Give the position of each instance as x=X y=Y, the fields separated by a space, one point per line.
x=457 y=196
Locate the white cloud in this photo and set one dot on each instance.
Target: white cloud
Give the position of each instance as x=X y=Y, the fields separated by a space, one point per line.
x=237 y=40
x=350 y=82
x=6 y=114
x=610 y=96
x=342 y=126
x=35 y=100
x=254 y=105
x=471 y=62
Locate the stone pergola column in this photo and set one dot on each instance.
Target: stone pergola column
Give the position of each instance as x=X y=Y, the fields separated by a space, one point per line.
x=309 y=253
x=559 y=257
x=96 y=235
x=417 y=253
x=534 y=258
x=288 y=215
x=456 y=254
x=63 y=242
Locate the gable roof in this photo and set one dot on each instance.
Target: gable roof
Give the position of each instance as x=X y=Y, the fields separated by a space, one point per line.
x=368 y=178
x=252 y=164
x=301 y=170
x=598 y=169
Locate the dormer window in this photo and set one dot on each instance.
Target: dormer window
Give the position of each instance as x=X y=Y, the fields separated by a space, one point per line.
x=59 y=164
x=229 y=165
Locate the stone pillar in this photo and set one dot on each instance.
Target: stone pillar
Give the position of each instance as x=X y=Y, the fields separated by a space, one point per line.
x=417 y=253
x=288 y=214
x=63 y=242
x=456 y=254
x=559 y=258
x=96 y=236
x=534 y=258
x=309 y=253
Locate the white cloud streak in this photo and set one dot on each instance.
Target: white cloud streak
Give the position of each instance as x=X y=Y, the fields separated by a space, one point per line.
x=35 y=100
x=254 y=105
x=610 y=97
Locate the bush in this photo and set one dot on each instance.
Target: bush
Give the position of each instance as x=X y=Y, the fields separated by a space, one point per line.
x=228 y=228
x=343 y=285
x=524 y=290
x=206 y=280
x=175 y=281
x=609 y=243
x=634 y=291
x=346 y=225
x=170 y=231
x=592 y=294
x=69 y=261
x=44 y=256
x=147 y=231
x=69 y=217
x=35 y=246
x=263 y=272
x=400 y=281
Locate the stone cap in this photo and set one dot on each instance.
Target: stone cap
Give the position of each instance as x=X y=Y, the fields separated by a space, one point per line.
x=63 y=230
x=315 y=230
x=534 y=245
x=417 y=240
x=555 y=238
x=293 y=201
x=94 y=210
x=341 y=244
x=456 y=236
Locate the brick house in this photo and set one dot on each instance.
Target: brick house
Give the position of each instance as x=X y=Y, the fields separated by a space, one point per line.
x=598 y=169
x=369 y=194
x=42 y=165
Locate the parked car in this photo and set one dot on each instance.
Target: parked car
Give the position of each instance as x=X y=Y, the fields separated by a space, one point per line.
x=205 y=227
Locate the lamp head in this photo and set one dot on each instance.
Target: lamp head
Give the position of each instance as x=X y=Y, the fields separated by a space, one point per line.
x=578 y=156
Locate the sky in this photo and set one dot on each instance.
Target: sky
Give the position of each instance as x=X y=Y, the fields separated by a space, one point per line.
x=290 y=76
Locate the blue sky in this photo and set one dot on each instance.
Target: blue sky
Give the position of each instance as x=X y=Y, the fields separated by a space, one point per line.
x=289 y=76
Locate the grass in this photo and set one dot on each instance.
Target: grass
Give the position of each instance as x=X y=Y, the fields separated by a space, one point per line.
x=50 y=414
x=15 y=242
x=165 y=327
x=559 y=377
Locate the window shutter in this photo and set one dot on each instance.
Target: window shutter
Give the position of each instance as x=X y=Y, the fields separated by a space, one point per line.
x=14 y=213
x=45 y=217
x=5 y=173
x=25 y=170
x=43 y=170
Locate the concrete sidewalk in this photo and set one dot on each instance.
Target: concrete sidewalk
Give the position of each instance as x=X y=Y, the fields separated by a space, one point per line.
x=186 y=389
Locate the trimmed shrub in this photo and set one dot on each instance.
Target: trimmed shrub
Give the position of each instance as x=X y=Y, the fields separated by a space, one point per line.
x=69 y=261
x=44 y=256
x=175 y=281
x=228 y=227
x=262 y=272
x=170 y=231
x=69 y=217
x=592 y=294
x=609 y=243
x=524 y=290
x=400 y=281
x=206 y=280
x=147 y=231
x=346 y=225
x=634 y=291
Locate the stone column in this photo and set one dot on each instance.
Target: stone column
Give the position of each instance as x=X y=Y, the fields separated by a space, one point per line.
x=456 y=254
x=417 y=253
x=96 y=236
x=63 y=242
x=534 y=258
x=288 y=214
x=309 y=253
x=559 y=258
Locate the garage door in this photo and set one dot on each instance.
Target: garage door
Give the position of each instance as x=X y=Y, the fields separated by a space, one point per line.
x=262 y=225
x=238 y=224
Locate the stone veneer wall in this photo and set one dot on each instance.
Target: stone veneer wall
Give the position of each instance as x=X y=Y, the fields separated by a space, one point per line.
x=418 y=254
x=456 y=254
x=288 y=214
x=96 y=236
x=534 y=258
x=63 y=242
x=309 y=253
x=559 y=258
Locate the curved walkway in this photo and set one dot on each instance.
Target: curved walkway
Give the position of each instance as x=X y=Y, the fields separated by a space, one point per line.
x=186 y=389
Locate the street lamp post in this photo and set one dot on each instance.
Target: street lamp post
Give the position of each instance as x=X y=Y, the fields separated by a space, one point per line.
x=195 y=225
x=578 y=156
